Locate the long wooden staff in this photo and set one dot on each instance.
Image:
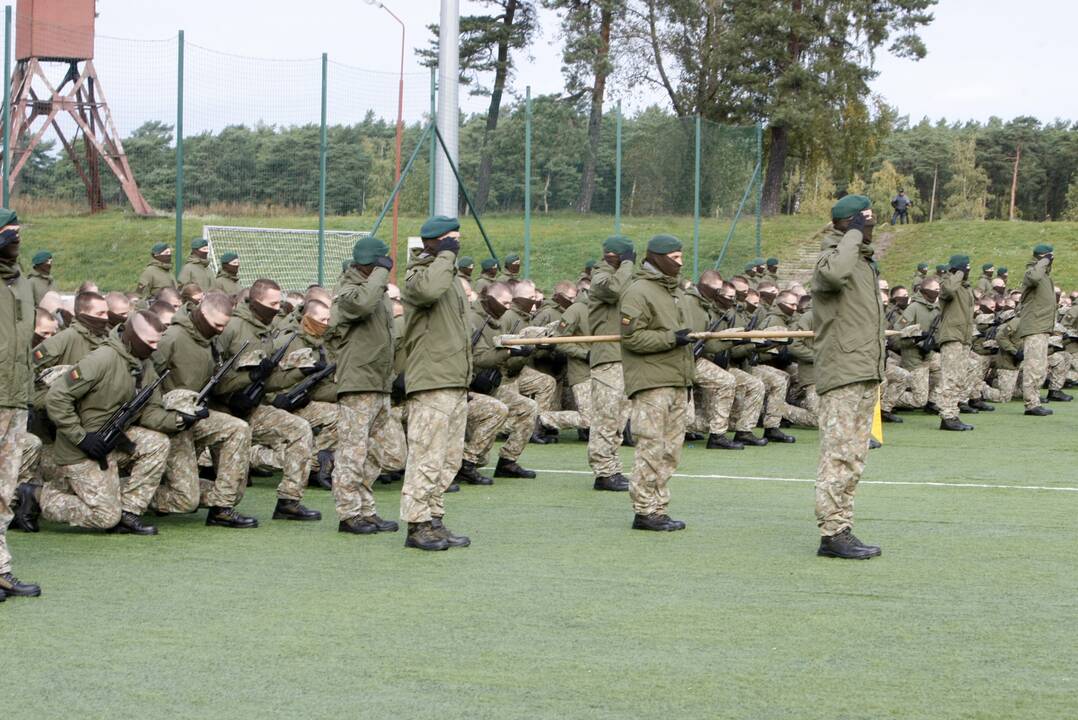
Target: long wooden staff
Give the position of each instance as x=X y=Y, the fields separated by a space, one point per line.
x=516 y=340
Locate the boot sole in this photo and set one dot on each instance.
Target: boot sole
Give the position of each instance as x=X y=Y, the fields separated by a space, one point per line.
x=429 y=548
x=282 y=516
x=829 y=554
x=11 y=594
x=232 y=526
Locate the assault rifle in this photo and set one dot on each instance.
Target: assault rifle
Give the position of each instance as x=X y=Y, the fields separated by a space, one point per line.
x=300 y=395
x=242 y=402
x=114 y=431
x=217 y=376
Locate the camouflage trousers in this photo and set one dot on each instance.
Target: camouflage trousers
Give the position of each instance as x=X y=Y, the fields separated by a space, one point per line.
x=1034 y=368
x=955 y=366
x=394 y=442
x=777 y=385
x=323 y=418
x=12 y=428
x=30 y=447
x=1058 y=368
x=935 y=377
x=89 y=497
x=520 y=424
x=917 y=395
x=659 y=418
x=537 y=385
x=896 y=384
x=811 y=401
x=748 y=401
x=182 y=491
x=363 y=421
x=610 y=411
x=486 y=416
x=713 y=398
x=290 y=439
x=845 y=426
x=582 y=399
x=1002 y=389
x=436 y=424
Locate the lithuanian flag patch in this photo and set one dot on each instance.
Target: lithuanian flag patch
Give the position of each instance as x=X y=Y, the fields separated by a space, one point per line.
x=74 y=375
x=38 y=356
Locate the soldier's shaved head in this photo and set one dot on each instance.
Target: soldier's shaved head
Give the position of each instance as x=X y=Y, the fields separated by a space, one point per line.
x=319 y=293
x=263 y=288
x=524 y=289
x=712 y=278
x=45 y=325
x=163 y=310
x=500 y=291
x=171 y=296
x=92 y=304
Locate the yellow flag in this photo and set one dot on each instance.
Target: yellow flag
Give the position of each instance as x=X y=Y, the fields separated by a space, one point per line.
x=877 y=420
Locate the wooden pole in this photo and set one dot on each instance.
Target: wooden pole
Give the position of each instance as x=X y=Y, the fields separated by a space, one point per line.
x=1014 y=178
x=516 y=341
x=932 y=202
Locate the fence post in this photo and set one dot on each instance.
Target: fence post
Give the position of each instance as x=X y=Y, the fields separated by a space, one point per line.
x=322 y=179
x=617 y=171
x=433 y=142
x=696 y=206
x=7 y=106
x=760 y=192
x=178 y=253
x=527 y=181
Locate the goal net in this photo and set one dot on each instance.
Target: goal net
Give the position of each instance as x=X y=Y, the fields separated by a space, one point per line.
x=288 y=256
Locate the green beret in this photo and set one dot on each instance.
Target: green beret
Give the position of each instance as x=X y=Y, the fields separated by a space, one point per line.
x=772 y=262
x=510 y=259
x=438 y=226
x=663 y=244
x=8 y=217
x=488 y=264
x=987 y=266
x=749 y=267
x=465 y=262
x=941 y=268
x=758 y=261
x=199 y=243
x=159 y=248
x=41 y=256
x=617 y=244
x=368 y=249
x=850 y=206
x=958 y=261
x=922 y=267
x=590 y=264
x=229 y=257
x=1042 y=249
x=1001 y=270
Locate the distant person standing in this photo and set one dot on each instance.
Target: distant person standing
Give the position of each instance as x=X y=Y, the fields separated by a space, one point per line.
x=901 y=203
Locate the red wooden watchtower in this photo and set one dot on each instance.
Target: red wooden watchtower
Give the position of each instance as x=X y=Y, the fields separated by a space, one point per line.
x=62 y=31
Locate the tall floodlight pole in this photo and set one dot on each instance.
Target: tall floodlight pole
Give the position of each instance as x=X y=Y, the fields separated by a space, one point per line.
x=448 y=120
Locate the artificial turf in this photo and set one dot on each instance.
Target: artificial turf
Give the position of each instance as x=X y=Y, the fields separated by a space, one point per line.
x=559 y=610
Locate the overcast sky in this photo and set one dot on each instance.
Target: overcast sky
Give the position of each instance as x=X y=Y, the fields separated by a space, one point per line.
x=985 y=58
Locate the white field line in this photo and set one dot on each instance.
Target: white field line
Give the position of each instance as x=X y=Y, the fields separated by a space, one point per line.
x=980 y=486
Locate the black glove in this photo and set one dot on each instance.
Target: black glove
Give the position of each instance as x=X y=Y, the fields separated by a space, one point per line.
x=1019 y=356
x=857 y=222
x=281 y=403
x=316 y=368
x=546 y=347
x=126 y=445
x=628 y=255
x=240 y=405
x=681 y=337
x=186 y=421
x=451 y=244
x=263 y=370
x=384 y=262
x=94 y=446
x=521 y=351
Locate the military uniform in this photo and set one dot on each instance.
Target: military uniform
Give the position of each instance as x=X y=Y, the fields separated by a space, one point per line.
x=574 y=321
x=750 y=393
x=66 y=347
x=778 y=358
x=41 y=283
x=715 y=387
x=916 y=360
x=486 y=416
x=196 y=270
x=1007 y=361
x=1037 y=319
x=955 y=337
x=522 y=377
x=610 y=407
x=226 y=282
x=156 y=276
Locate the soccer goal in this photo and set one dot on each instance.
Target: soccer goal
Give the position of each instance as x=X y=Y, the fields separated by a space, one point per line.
x=288 y=256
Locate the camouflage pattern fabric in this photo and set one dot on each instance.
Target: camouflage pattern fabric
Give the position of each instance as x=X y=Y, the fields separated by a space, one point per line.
x=980 y=365
x=12 y=428
x=520 y=425
x=955 y=366
x=182 y=491
x=291 y=440
x=486 y=416
x=777 y=385
x=935 y=377
x=30 y=447
x=716 y=389
x=363 y=419
x=917 y=394
x=896 y=384
x=323 y=418
x=610 y=411
x=394 y=447
x=1034 y=368
x=436 y=423
x=582 y=400
x=659 y=418
x=845 y=420
x=1058 y=367
x=748 y=401
x=1003 y=388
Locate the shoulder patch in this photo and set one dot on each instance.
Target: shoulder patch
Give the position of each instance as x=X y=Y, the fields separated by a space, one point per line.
x=74 y=375
x=38 y=356
x=625 y=320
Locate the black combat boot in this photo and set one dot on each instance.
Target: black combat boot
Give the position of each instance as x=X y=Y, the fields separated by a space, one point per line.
x=889 y=417
x=539 y=437
x=469 y=473
x=388 y=478
x=357 y=526
x=720 y=441
x=627 y=436
x=3 y=596
x=745 y=437
x=292 y=510
x=1059 y=396
x=131 y=524
x=323 y=478
x=383 y=525
x=229 y=518
x=674 y=524
x=693 y=437
x=611 y=483
x=551 y=434
x=10 y=586
x=442 y=531
x=932 y=408
x=453 y=486
x=207 y=472
x=510 y=469
x=1039 y=411
x=656 y=523
x=423 y=537
x=981 y=405
x=583 y=434
x=258 y=472
x=845 y=545
x=954 y=424
x=967 y=409
x=776 y=435
x=874 y=444
x=27 y=511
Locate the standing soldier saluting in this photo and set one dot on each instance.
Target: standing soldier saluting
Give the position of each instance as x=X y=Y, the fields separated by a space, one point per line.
x=657 y=358
x=1037 y=313
x=850 y=356
x=197 y=268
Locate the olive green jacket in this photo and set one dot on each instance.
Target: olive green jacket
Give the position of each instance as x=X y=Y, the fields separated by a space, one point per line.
x=1009 y=344
x=984 y=284
x=399 y=357
x=360 y=333
x=574 y=321
x=225 y=283
x=848 y=314
x=922 y=313
x=1038 y=306
x=482 y=282
x=803 y=349
x=86 y=397
x=41 y=283
x=698 y=314
x=956 y=304
x=436 y=338
x=484 y=353
x=244 y=327
x=16 y=335
x=187 y=353
x=196 y=270
x=513 y=323
x=156 y=276
x=1070 y=322
x=67 y=347
x=327 y=389
x=604 y=314
x=652 y=309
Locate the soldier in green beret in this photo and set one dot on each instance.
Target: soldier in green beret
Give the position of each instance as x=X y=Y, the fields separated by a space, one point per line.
x=197 y=268
x=984 y=282
x=850 y=356
x=511 y=269
x=918 y=276
x=488 y=274
x=158 y=273
x=773 y=270
x=41 y=280
x=465 y=266
x=955 y=335
x=1036 y=322
x=228 y=277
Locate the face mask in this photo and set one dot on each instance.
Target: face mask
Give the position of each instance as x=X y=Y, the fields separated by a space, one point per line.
x=164 y=259
x=201 y=253
x=750 y=307
x=232 y=270
x=739 y=294
x=465 y=271
x=494 y=308
x=562 y=301
x=902 y=302
x=264 y=313
x=138 y=346
x=312 y=327
x=930 y=295
x=709 y=292
x=115 y=319
x=45 y=268
x=612 y=260
x=524 y=304
x=664 y=264
x=787 y=310
x=97 y=326
x=725 y=301
x=513 y=268
x=38 y=339
x=202 y=325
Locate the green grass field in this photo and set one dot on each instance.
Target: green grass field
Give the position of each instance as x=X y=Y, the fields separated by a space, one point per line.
x=559 y=610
